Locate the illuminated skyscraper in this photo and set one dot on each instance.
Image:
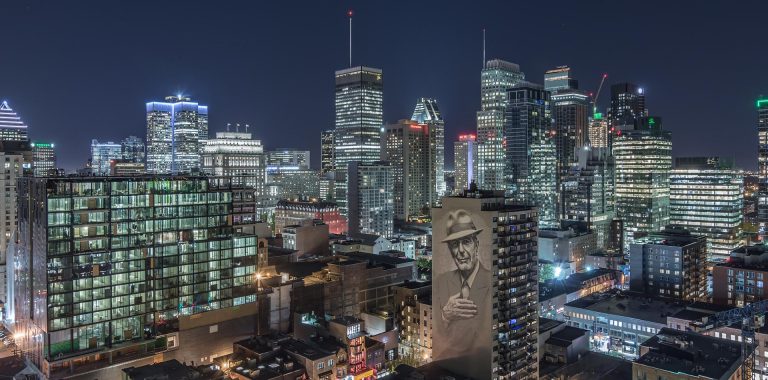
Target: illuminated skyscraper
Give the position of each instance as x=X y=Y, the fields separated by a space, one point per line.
x=598 y=131
x=359 y=104
x=706 y=197
x=370 y=194
x=132 y=148
x=465 y=161
x=43 y=158
x=102 y=153
x=11 y=126
x=427 y=113
x=406 y=146
x=175 y=129
x=627 y=105
x=326 y=152
x=495 y=79
x=587 y=192
x=531 y=170
x=762 y=164
x=643 y=157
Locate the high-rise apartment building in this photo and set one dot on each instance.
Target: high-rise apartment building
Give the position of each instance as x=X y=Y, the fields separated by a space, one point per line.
x=531 y=170
x=371 y=203
x=175 y=129
x=496 y=78
x=485 y=287
x=132 y=148
x=465 y=161
x=359 y=101
x=125 y=267
x=587 y=192
x=762 y=164
x=627 y=105
x=598 y=131
x=706 y=197
x=643 y=158
x=326 y=152
x=283 y=160
x=426 y=112
x=406 y=146
x=102 y=153
x=669 y=263
x=12 y=128
x=43 y=158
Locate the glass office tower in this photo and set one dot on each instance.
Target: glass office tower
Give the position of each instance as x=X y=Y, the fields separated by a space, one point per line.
x=43 y=158
x=12 y=128
x=106 y=263
x=426 y=112
x=102 y=154
x=762 y=164
x=176 y=131
x=359 y=104
x=531 y=157
x=706 y=197
x=643 y=158
x=495 y=79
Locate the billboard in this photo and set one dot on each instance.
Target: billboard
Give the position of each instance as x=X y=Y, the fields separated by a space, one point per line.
x=462 y=287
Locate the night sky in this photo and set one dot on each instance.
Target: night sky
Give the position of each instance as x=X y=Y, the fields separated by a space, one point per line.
x=77 y=70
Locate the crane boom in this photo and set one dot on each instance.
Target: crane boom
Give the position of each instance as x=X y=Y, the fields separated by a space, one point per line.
x=597 y=94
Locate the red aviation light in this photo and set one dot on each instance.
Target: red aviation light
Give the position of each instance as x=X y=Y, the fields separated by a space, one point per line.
x=349 y=13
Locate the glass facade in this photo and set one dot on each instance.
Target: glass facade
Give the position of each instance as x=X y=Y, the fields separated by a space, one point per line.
x=43 y=158
x=406 y=146
x=495 y=79
x=531 y=170
x=11 y=126
x=707 y=199
x=102 y=154
x=427 y=113
x=326 y=152
x=176 y=132
x=371 y=203
x=116 y=260
x=465 y=161
x=643 y=162
x=359 y=102
x=762 y=164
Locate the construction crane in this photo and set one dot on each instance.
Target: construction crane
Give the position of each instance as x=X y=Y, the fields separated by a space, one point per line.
x=751 y=317
x=597 y=94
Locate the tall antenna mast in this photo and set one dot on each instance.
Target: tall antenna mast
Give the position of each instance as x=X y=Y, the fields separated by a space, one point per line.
x=483 y=47
x=349 y=14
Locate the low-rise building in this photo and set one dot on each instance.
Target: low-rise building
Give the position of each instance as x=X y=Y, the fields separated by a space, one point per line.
x=670 y=263
x=310 y=237
x=566 y=245
x=413 y=317
x=682 y=355
x=742 y=278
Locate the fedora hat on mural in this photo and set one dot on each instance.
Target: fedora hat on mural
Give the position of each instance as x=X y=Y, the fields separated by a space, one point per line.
x=460 y=225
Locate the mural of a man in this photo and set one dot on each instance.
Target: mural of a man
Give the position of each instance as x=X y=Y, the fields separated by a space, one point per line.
x=464 y=295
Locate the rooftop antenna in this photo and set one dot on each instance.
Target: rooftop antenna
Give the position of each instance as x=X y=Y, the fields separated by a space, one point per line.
x=483 y=47
x=349 y=14
x=228 y=124
x=246 y=128
x=237 y=127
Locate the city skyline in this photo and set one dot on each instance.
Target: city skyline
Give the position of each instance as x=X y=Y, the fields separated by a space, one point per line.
x=267 y=44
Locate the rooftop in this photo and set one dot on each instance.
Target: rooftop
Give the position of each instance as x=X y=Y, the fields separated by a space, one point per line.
x=631 y=305
x=566 y=336
x=309 y=351
x=377 y=259
x=691 y=354
x=171 y=369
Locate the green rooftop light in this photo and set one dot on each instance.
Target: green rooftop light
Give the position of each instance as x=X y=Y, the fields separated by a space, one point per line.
x=598 y=116
x=760 y=102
